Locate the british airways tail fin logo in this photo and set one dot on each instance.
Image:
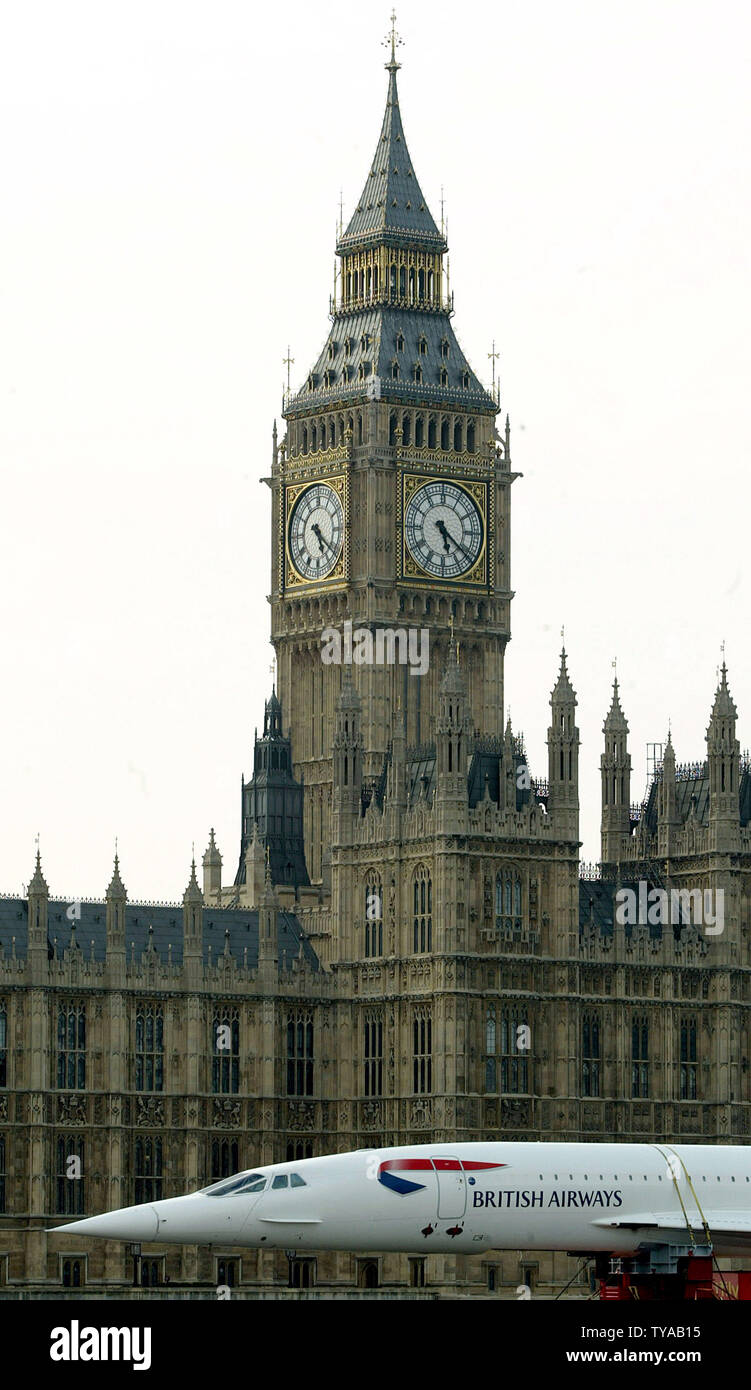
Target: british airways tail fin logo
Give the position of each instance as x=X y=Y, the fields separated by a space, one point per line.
x=390 y=1170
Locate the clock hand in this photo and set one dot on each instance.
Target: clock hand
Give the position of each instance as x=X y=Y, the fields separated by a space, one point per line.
x=319 y=536
x=447 y=536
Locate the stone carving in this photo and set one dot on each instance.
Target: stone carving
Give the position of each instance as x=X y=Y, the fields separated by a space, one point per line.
x=301 y=1115
x=225 y=1112
x=370 y=1114
x=71 y=1110
x=149 y=1110
x=420 y=1117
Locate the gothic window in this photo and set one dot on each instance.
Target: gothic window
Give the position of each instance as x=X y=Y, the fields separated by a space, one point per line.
x=422 y=1052
x=328 y=377
x=470 y=438
x=2 y=1173
x=640 y=1057
x=688 y=1059
x=305 y=441
x=443 y=377
x=421 y=284
x=299 y=1148
x=332 y=350
x=423 y=345
x=419 y=431
x=299 y=1054
x=491 y=1063
x=400 y=342
x=149 y=1048
x=151 y=1272
x=517 y=896
x=149 y=1163
x=347 y=346
x=374 y=918
x=373 y=1054
x=71 y=1047
x=444 y=432
x=375 y=279
x=225 y=1158
x=422 y=915
x=225 y=1048
x=417 y=373
x=402 y=281
x=465 y=380
x=514 y=1052
x=395 y=370
x=406 y=430
x=314 y=439
x=3 y=1045
x=591 y=1055
x=458 y=434
x=392 y=280
x=431 y=433
x=332 y=434
x=444 y=347
x=411 y=284
x=69 y=1176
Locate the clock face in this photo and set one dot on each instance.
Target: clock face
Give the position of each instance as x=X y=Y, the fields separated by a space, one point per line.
x=443 y=529
x=316 y=531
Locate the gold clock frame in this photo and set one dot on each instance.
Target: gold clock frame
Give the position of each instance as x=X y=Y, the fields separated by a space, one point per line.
x=293 y=580
x=481 y=492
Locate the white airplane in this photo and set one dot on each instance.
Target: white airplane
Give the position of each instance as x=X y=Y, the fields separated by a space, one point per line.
x=580 y=1198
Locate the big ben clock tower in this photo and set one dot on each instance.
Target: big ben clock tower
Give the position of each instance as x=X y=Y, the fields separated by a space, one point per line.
x=391 y=491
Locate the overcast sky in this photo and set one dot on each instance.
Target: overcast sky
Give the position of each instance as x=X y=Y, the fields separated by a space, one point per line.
x=170 y=179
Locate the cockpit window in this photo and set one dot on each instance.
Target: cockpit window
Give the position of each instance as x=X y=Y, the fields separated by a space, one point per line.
x=279 y=1181
x=296 y=1181
x=230 y=1187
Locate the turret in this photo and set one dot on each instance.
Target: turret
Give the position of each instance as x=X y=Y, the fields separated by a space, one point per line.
x=615 y=774
x=38 y=894
x=193 y=923
x=268 y=929
x=668 y=820
x=212 y=871
x=115 y=901
x=563 y=757
x=723 y=762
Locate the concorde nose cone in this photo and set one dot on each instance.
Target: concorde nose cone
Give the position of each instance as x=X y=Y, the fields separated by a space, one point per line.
x=129 y=1223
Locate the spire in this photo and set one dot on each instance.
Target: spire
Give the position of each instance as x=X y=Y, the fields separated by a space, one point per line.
x=116 y=887
x=724 y=707
x=38 y=883
x=563 y=689
x=392 y=201
x=348 y=696
x=192 y=893
x=212 y=855
x=616 y=719
x=452 y=681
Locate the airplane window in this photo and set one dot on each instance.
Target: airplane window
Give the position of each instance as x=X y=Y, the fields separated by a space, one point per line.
x=296 y=1181
x=279 y=1181
x=230 y=1187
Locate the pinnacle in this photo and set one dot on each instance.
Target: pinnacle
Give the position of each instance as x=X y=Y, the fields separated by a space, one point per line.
x=615 y=719
x=38 y=883
x=452 y=682
x=563 y=689
x=116 y=888
x=724 y=707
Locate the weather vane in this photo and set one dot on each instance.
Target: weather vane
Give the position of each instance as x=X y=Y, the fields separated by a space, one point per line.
x=393 y=41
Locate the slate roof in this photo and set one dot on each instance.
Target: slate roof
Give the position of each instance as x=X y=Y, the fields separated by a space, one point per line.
x=688 y=787
x=373 y=334
x=167 y=923
x=391 y=207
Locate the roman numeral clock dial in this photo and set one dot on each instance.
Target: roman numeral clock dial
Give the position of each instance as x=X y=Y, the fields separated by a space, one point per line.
x=316 y=532
x=443 y=529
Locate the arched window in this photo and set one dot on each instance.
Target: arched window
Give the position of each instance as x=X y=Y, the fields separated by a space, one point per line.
x=517 y=897
x=402 y=281
x=392 y=280
x=70 y=1176
x=419 y=431
x=431 y=432
x=422 y=917
x=374 y=917
x=314 y=438
x=405 y=429
x=305 y=441
x=375 y=279
x=421 y=285
x=640 y=1057
x=373 y=1053
x=392 y=429
x=444 y=434
x=300 y=1053
x=491 y=1081
x=431 y=285
x=148 y=1169
x=458 y=432
x=411 y=284
x=149 y=1052
x=225 y=1158
x=332 y=434
x=422 y=1052
x=470 y=438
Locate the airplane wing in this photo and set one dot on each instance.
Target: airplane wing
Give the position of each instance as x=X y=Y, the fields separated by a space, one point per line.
x=721 y=1223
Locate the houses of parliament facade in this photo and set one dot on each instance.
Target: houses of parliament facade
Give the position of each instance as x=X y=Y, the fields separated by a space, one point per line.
x=407 y=948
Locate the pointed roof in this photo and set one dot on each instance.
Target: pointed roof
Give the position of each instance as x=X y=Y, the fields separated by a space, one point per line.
x=192 y=893
x=391 y=206
x=212 y=855
x=348 y=697
x=615 y=719
x=724 y=707
x=116 y=888
x=38 y=883
x=563 y=689
x=452 y=681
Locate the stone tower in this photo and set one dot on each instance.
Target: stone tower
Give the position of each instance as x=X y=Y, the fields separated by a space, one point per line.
x=391 y=493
